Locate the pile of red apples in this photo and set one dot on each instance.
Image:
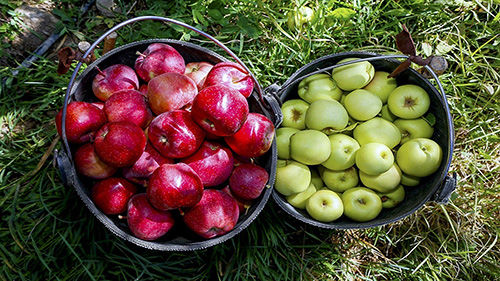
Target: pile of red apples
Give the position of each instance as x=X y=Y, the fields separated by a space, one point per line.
x=169 y=137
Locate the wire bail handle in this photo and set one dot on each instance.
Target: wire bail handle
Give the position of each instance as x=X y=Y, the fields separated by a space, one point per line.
x=127 y=22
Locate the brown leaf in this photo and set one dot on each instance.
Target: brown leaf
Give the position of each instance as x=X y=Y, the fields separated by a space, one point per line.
x=66 y=56
x=405 y=42
x=402 y=67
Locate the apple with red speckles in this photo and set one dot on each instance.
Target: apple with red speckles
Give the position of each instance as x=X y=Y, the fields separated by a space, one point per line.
x=171 y=91
x=220 y=110
x=112 y=195
x=232 y=75
x=113 y=79
x=120 y=144
x=175 y=135
x=248 y=180
x=174 y=186
x=216 y=214
x=157 y=59
x=144 y=89
x=82 y=121
x=243 y=205
x=145 y=221
x=88 y=163
x=128 y=105
x=198 y=71
x=144 y=167
x=213 y=162
x=254 y=138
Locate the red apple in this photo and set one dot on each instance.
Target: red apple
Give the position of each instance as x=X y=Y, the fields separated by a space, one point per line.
x=82 y=121
x=111 y=195
x=144 y=89
x=99 y=105
x=113 y=79
x=216 y=214
x=88 y=163
x=248 y=180
x=159 y=58
x=175 y=135
x=144 y=167
x=220 y=110
x=232 y=75
x=212 y=162
x=171 y=91
x=120 y=144
x=128 y=105
x=254 y=138
x=198 y=71
x=146 y=222
x=174 y=186
x=243 y=205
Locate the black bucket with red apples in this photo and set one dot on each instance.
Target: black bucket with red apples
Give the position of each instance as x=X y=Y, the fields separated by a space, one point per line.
x=180 y=237
x=436 y=187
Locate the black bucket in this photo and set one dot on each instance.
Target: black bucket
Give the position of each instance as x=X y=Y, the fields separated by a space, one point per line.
x=179 y=238
x=437 y=187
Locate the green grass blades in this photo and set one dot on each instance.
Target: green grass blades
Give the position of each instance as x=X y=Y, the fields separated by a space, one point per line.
x=46 y=233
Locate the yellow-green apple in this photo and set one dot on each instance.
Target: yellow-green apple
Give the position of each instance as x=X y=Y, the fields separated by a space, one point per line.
x=159 y=58
x=387 y=114
x=385 y=182
x=316 y=178
x=339 y=181
x=408 y=180
x=319 y=87
x=419 y=157
x=283 y=135
x=113 y=79
x=353 y=76
x=343 y=152
x=374 y=158
x=294 y=113
x=300 y=17
x=413 y=128
x=325 y=206
x=377 y=130
x=82 y=121
x=408 y=101
x=361 y=204
x=309 y=147
x=362 y=105
x=393 y=198
x=381 y=85
x=298 y=200
x=291 y=177
x=327 y=116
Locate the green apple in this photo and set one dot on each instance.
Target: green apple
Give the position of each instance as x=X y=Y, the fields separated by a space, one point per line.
x=283 y=135
x=319 y=87
x=309 y=147
x=393 y=198
x=361 y=204
x=413 y=128
x=298 y=200
x=327 y=116
x=294 y=113
x=387 y=114
x=339 y=181
x=408 y=101
x=343 y=151
x=291 y=177
x=377 y=130
x=385 y=182
x=353 y=76
x=362 y=105
x=325 y=206
x=381 y=85
x=408 y=180
x=419 y=157
x=374 y=158
x=300 y=17
x=316 y=178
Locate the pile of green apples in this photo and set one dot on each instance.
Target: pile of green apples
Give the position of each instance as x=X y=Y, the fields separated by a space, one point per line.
x=353 y=142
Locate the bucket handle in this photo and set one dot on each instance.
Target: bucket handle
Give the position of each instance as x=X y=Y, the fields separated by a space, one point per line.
x=127 y=22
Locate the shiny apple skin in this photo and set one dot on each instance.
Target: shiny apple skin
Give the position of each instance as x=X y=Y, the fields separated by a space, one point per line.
x=112 y=195
x=232 y=75
x=254 y=138
x=82 y=121
x=171 y=91
x=159 y=58
x=113 y=79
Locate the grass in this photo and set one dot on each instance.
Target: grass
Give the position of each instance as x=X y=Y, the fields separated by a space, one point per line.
x=46 y=233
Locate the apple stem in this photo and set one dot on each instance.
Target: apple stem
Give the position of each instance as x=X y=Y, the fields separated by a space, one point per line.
x=100 y=71
x=238 y=81
x=181 y=212
x=140 y=54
